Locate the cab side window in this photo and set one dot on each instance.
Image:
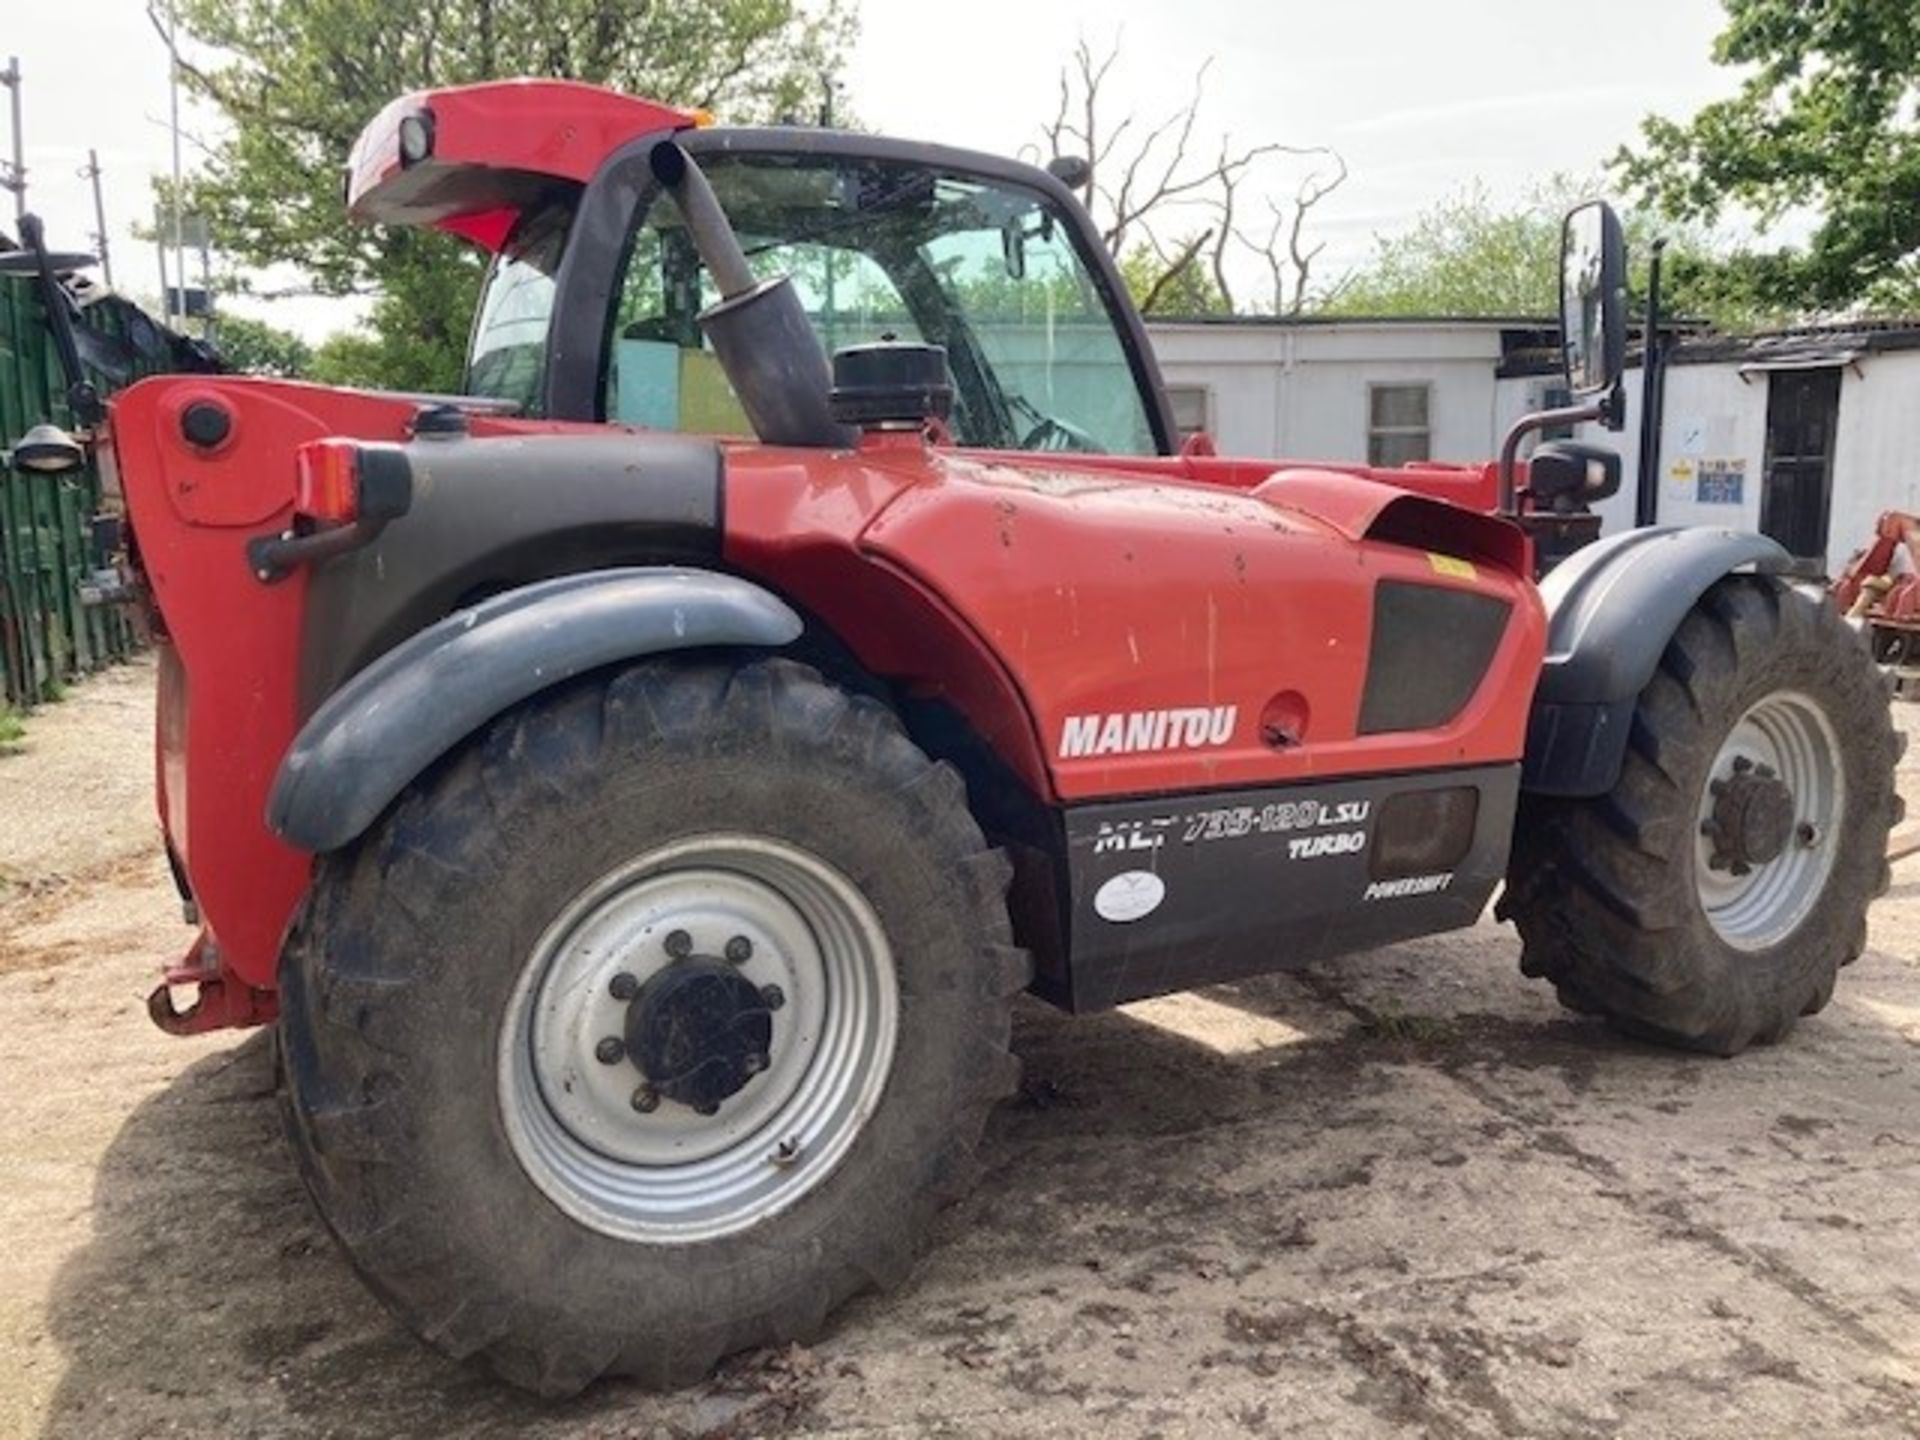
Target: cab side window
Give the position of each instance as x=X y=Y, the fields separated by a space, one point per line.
x=660 y=372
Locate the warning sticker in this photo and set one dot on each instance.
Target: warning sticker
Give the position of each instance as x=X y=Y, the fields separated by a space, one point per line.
x=1452 y=565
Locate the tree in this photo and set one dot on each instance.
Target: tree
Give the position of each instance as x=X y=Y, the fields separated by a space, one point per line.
x=1466 y=255
x=1138 y=181
x=253 y=347
x=297 y=79
x=1823 y=122
x=1471 y=254
x=1177 y=287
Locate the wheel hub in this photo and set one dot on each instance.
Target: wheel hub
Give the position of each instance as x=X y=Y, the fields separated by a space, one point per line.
x=645 y=1084
x=1752 y=818
x=699 y=1031
x=1774 y=800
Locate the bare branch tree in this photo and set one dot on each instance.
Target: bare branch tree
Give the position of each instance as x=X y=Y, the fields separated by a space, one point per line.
x=1291 y=265
x=1137 y=177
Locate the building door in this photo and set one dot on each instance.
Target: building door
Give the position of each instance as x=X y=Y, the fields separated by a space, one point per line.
x=1803 y=408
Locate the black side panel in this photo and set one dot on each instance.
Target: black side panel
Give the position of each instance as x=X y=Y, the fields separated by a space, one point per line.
x=1611 y=608
x=489 y=514
x=1431 y=648
x=1179 y=891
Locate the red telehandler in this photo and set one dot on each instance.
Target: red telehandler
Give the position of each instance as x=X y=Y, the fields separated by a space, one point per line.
x=639 y=787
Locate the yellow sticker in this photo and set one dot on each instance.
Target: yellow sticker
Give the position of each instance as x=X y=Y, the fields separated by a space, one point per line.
x=1452 y=565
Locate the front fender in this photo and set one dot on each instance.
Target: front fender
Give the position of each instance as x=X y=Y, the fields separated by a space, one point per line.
x=1611 y=608
x=420 y=699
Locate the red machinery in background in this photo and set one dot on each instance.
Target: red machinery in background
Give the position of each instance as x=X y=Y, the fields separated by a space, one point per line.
x=1889 y=605
x=1870 y=589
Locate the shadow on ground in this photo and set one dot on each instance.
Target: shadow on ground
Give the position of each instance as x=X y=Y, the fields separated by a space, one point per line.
x=1143 y=1173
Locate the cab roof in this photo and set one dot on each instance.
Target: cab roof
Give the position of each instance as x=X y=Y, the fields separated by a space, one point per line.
x=490 y=150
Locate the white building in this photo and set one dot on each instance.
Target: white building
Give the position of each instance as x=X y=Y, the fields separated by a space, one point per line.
x=1806 y=436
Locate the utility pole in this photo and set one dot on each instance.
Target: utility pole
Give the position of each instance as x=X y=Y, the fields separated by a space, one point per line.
x=173 y=101
x=160 y=249
x=206 y=280
x=16 y=176
x=92 y=173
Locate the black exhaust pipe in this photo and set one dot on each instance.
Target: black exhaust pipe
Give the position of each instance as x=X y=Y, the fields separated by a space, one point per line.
x=759 y=329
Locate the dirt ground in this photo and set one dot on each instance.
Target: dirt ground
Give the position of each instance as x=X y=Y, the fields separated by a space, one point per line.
x=1401 y=1194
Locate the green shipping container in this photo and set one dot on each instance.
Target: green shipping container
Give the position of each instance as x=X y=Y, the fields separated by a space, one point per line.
x=47 y=636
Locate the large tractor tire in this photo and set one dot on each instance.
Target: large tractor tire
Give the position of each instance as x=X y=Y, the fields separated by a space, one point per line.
x=652 y=1024
x=1710 y=899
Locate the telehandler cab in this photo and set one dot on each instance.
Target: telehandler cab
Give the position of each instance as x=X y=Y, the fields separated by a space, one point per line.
x=639 y=788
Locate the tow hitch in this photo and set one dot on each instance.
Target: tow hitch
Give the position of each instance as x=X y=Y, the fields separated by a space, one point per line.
x=221 y=1000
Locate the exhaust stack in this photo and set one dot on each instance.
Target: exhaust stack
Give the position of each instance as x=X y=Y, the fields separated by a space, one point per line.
x=759 y=329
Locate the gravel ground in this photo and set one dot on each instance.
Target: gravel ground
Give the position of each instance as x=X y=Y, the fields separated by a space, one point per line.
x=1405 y=1193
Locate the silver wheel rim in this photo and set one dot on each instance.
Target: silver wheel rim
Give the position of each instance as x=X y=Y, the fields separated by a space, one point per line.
x=670 y=1174
x=1785 y=736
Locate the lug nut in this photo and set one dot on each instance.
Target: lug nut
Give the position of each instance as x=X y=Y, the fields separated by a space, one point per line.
x=610 y=1051
x=739 y=950
x=645 y=1099
x=773 y=996
x=623 y=986
x=679 y=944
x=1765 y=772
x=1741 y=764
x=707 y=1107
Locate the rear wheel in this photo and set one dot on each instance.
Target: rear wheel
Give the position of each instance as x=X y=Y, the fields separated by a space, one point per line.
x=1711 y=897
x=651 y=1025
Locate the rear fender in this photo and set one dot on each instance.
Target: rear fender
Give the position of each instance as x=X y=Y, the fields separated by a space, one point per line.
x=420 y=699
x=1611 y=608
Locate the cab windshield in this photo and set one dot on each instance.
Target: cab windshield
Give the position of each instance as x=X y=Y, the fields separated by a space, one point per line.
x=879 y=250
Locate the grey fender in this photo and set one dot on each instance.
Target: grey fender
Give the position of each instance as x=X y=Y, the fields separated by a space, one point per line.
x=1611 y=608
x=420 y=699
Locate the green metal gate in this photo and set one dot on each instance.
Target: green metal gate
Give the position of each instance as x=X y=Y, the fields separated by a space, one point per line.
x=47 y=636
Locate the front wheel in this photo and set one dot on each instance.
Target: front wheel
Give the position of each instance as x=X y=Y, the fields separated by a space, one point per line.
x=1712 y=896
x=652 y=1024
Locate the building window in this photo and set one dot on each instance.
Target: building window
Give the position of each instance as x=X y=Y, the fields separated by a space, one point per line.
x=1552 y=395
x=1397 y=429
x=1192 y=409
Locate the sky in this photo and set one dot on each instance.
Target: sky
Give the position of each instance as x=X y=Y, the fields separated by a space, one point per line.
x=1421 y=97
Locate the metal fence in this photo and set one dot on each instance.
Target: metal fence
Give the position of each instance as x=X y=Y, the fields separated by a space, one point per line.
x=47 y=636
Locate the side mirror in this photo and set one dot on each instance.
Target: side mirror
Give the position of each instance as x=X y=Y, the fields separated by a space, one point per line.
x=1072 y=171
x=1593 y=298
x=1565 y=475
x=1013 y=246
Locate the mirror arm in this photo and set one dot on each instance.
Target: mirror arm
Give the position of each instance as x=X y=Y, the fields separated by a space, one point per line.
x=1530 y=424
